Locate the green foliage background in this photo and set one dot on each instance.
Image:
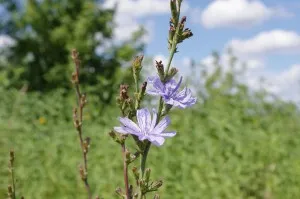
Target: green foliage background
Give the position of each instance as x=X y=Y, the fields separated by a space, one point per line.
x=46 y=31
x=229 y=146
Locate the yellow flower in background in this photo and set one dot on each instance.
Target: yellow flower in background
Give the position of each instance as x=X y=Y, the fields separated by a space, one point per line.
x=42 y=120
x=87 y=116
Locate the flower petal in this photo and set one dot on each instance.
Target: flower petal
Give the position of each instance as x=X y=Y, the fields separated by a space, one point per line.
x=154 y=118
x=120 y=129
x=156 y=83
x=177 y=86
x=144 y=119
x=168 y=134
x=129 y=124
x=153 y=92
x=161 y=126
x=157 y=141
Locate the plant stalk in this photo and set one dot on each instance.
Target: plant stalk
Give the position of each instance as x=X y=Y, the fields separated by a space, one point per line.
x=160 y=108
x=125 y=172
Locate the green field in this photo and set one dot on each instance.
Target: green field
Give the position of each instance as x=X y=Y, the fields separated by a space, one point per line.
x=227 y=146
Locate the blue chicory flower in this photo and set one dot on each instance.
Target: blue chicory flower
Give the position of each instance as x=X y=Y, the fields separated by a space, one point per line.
x=169 y=92
x=146 y=128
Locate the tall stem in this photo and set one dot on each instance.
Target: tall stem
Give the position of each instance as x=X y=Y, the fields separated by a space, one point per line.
x=160 y=107
x=174 y=43
x=80 y=106
x=125 y=172
x=143 y=166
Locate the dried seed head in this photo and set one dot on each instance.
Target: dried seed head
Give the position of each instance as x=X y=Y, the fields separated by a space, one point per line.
x=74 y=78
x=74 y=54
x=12 y=156
x=83 y=100
x=83 y=173
x=124 y=92
x=86 y=144
x=9 y=191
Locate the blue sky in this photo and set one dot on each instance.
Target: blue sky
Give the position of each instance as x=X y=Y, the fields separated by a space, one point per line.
x=206 y=40
x=265 y=33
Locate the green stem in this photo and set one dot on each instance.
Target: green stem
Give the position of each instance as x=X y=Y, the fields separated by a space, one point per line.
x=137 y=85
x=160 y=108
x=174 y=44
x=143 y=166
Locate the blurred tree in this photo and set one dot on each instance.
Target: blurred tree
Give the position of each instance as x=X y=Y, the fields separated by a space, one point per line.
x=45 y=31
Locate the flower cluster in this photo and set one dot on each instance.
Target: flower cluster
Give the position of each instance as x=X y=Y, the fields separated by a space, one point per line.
x=147 y=127
x=169 y=92
x=150 y=127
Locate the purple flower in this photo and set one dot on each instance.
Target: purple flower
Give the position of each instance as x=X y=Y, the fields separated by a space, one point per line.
x=169 y=92
x=146 y=129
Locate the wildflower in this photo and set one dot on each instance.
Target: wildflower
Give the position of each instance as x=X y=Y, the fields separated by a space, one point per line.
x=146 y=128
x=169 y=92
x=42 y=120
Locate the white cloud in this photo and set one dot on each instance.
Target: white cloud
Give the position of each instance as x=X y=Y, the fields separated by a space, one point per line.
x=130 y=11
x=287 y=83
x=140 y=8
x=238 y=13
x=284 y=84
x=250 y=76
x=267 y=42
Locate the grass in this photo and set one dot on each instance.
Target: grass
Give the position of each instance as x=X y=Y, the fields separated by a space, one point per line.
x=228 y=147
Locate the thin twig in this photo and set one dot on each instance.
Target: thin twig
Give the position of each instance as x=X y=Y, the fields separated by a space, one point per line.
x=12 y=190
x=79 y=121
x=125 y=172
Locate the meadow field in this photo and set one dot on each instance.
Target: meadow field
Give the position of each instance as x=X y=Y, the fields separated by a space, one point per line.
x=228 y=146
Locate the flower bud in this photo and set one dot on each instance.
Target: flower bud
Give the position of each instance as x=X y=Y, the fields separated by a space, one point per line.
x=137 y=67
x=183 y=20
x=120 y=192
x=173 y=71
x=187 y=33
x=136 y=173
x=112 y=135
x=171 y=35
x=141 y=95
x=147 y=174
x=137 y=63
x=160 y=69
x=143 y=90
x=155 y=185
